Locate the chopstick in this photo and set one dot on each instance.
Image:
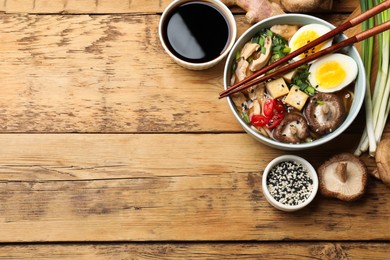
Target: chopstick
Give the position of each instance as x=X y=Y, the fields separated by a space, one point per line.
x=358 y=37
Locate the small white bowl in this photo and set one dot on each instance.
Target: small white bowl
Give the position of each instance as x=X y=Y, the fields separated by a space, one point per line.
x=204 y=65
x=310 y=170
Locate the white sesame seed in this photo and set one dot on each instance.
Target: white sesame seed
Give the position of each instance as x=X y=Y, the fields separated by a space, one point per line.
x=289 y=183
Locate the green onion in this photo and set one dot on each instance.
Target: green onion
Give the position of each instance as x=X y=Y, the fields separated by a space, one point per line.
x=381 y=94
x=238 y=55
x=310 y=90
x=261 y=41
x=286 y=50
x=377 y=106
x=277 y=48
x=301 y=80
x=245 y=117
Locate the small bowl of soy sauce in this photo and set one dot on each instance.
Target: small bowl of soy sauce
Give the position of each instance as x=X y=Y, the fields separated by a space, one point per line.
x=197 y=34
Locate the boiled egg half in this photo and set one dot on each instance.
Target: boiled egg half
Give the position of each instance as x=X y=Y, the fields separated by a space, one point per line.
x=306 y=34
x=332 y=72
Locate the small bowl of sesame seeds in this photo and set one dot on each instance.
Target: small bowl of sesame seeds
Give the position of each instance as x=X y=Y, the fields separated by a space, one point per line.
x=289 y=183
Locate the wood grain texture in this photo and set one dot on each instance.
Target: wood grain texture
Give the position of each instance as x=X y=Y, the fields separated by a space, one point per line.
x=183 y=208
x=104 y=140
x=105 y=73
x=58 y=157
x=366 y=250
x=101 y=74
x=88 y=157
x=114 y=6
x=162 y=188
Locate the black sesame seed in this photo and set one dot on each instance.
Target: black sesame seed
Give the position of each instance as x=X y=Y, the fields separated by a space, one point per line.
x=289 y=183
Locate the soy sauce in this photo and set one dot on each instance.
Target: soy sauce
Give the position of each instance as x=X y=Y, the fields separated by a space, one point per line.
x=196 y=32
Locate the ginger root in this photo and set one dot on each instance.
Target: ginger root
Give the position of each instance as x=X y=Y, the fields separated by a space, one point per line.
x=257 y=10
x=304 y=6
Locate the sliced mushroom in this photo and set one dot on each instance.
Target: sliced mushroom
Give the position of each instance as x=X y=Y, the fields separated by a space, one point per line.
x=292 y=129
x=344 y=176
x=325 y=112
x=262 y=60
x=256 y=109
x=257 y=92
x=241 y=69
x=284 y=30
x=248 y=49
x=382 y=158
x=239 y=100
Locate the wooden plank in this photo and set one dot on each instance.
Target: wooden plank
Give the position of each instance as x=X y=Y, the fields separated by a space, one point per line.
x=45 y=157
x=2 y=5
x=102 y=74
x=164 y=187
x=114 y=6
x=366 y=250
x=182 y=208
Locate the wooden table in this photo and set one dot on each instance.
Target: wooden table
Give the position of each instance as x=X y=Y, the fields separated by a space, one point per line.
x=108 y=149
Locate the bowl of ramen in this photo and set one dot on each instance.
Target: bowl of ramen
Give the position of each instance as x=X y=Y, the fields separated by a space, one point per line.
x=305 y=107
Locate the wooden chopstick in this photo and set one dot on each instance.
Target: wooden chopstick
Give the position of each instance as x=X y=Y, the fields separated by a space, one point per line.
x=357 y=38
x=353 y=22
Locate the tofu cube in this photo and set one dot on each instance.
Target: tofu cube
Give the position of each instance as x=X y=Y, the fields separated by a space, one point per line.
x=288 y=76
x=296 y=98
x=277 y=88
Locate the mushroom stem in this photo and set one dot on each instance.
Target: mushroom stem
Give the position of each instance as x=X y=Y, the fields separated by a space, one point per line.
x=344 y=176
x=341 y=171
x=325 y=108
x=293 y=130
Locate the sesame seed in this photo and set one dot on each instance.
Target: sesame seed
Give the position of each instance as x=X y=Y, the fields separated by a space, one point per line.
x=289 y=183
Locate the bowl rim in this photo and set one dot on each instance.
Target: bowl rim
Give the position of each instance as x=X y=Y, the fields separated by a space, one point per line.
x=352 y=114
x=309 y=167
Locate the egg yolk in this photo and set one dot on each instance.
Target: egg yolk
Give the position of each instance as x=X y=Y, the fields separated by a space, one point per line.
x=303 y=39
x=330 y=74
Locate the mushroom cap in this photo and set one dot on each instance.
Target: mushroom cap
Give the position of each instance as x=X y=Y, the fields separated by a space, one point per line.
x=382 y=158
x=343 y=176
x=325 y=112
x=292 y=129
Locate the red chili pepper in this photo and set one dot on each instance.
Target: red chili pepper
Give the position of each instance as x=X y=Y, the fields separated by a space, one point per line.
x=268 y=107
x=279 y=107
x=275 y=120
x=259 y=120
x=273 y=110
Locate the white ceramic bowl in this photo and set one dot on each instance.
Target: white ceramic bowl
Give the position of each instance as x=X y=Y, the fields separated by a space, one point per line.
x=310 y=170
x=205 y=65
x=360 y=83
